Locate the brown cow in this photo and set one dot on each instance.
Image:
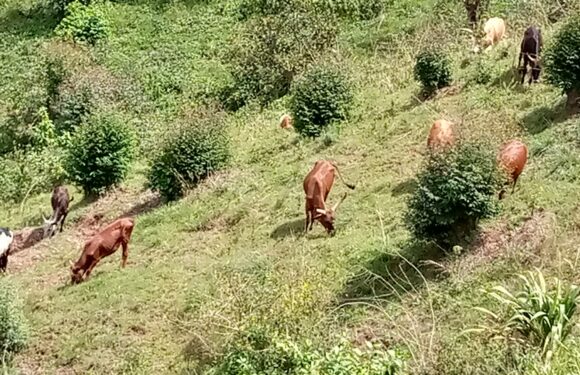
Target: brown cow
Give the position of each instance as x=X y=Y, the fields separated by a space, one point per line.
x=286 y=122
x=441 y=135
x=116 y=234
x=317 y=185
x=512 y=158
x=60 y=201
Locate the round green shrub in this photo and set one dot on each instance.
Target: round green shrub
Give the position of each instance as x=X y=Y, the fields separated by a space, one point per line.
x=322 y=96
x=83 y=23
x=99 y=154
x=432 y=70
x=189 y=156
x=454 y=191
x=562 y=59
x=13 y=327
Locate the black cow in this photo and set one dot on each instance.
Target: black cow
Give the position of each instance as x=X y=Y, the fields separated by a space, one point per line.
x=6 y=238
x=530 y=52
x=60 y=201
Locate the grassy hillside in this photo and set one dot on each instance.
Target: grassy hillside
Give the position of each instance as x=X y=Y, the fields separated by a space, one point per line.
x=231 y=255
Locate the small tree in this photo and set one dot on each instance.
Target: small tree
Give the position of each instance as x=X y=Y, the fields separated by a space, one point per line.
x=563 y=61
x=83 y=23
x=455 y=190
x=320 y=97
x=433 y=70
x=189 y=156
x=13 y=328
x=99 y=154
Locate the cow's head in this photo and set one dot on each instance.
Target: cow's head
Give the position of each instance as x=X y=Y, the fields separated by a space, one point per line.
x=75 y=274
x=49 y=227
x=326 y=216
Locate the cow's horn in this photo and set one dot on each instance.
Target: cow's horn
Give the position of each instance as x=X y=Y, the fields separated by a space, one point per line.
x=321 y=211
x=339 y=202
x=71 y=263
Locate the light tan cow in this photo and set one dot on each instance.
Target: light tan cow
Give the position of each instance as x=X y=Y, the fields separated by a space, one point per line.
x=286 y=122
x=494 y=30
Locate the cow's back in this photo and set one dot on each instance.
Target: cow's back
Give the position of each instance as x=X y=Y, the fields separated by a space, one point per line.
x=513 y=157
x=494 y=29
x=319 y=180
x=441 y=135
x=532 y=40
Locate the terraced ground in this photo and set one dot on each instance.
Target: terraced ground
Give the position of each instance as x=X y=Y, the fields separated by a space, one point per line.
x=232 y=252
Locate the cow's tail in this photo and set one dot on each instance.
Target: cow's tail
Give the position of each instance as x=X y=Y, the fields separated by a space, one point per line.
x=350 y=186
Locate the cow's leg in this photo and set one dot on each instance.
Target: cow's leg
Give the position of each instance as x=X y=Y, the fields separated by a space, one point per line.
x=3 y=262
x=90 y=269
x=514 y=186
x=524 y=69
x=62 y=221
x=125 y=254
x=307 y=221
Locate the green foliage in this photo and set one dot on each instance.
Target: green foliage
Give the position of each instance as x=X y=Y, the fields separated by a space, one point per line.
x=482 y=72
x=562 y=58
x=432 y=70
x=83 y=23
x=544 y=316
x=273 y=51
x=321 y=97
x=260 y=353
x=455 y=190
x=13 y=327
x=99 y=153
x=352 y=9
x=189 y=156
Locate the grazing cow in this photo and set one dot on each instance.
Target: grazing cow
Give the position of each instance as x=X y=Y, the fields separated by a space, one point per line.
x=494 y=30
x=530 y=51
x=286 y=122
x=317 y=185
x=60 y=201
x=6 y=238
x=105 y=243
x=512 y=159
x=441 y=135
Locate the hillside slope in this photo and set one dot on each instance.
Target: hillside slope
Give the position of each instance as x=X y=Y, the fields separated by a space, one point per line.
x=232 y=254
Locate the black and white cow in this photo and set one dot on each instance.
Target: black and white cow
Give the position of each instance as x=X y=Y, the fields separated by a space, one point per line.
x=530 y=52
x=6 y=238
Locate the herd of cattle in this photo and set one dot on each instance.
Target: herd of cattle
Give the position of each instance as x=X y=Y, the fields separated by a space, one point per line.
x=317 y=184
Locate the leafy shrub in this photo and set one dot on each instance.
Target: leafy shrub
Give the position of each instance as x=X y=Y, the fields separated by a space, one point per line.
x=189 y=156
x=59 y=6
x=563 y=60
x=543 y=316
x=455 y=189
x=83 y=23
x=352 y=9
x=319 y=98
x=273 y=51
x=99 y=153
x=261 y=353
x=432 y=70
x=13 y=328
x=249 y=8
x=481 y=72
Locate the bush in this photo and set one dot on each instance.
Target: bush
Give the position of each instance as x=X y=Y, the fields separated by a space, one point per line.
x=432 y=70
x=83 y=23
x=189 y=156
x=320 y=97
x=352 y=9
x=455 y=190
x=262 y=353
x=563 y=60
x=13 y=328
x=99 y=154
x=272 y=52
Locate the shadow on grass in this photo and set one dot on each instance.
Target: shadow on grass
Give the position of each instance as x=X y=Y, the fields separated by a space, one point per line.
x=390 y=276
x=406 y=187
x=293 y=228
x=38 y=21
x=509 y=78
x=544 y=117
x=144 y=207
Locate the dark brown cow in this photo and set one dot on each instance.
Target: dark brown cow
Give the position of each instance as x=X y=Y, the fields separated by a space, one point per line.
x=530 y=51
x=116 y=234
x=512 y=159
x=317 y=185
x=60 y=201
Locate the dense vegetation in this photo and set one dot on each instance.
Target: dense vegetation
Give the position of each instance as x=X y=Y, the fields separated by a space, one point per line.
x=184 y=97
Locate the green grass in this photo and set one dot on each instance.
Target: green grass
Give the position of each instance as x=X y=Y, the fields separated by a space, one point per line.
x=232 y=254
